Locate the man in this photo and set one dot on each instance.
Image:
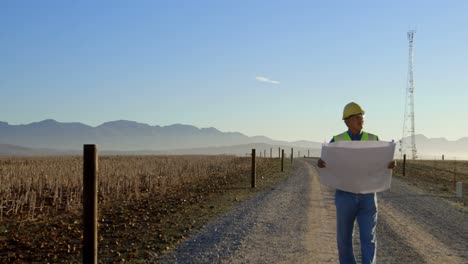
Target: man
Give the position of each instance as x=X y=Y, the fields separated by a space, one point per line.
x=352 y=206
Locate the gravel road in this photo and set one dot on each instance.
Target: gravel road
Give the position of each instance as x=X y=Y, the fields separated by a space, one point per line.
x=294 y=222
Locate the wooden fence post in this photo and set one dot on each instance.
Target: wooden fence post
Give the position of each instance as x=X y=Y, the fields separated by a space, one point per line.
x=253 y=172
x=404 y=164
x=271 y=153
x=279 y=153
x=308 y=153
x=264 y=153
x=90 y=203
x=459 y=190
x=282 y=160
x=455 y=174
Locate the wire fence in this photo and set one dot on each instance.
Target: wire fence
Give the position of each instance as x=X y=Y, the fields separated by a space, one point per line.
x=437 y=175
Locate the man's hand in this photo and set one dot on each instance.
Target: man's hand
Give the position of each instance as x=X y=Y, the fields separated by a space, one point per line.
x=321 y=163
x=392 y=164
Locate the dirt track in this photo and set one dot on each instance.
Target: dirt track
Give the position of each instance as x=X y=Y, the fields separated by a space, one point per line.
x=295 y=223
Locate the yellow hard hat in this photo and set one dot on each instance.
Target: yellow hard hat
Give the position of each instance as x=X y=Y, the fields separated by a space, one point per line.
x=352 y=109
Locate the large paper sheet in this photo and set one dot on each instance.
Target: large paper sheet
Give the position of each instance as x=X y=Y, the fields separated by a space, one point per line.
x=357 y=166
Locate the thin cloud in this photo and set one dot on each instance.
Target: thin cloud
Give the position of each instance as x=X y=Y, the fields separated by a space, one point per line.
x=265 y=79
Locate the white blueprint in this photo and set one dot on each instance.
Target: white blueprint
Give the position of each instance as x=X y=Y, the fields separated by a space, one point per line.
x=357 y=166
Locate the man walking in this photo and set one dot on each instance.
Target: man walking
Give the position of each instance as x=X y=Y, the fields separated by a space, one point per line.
x=352 y=206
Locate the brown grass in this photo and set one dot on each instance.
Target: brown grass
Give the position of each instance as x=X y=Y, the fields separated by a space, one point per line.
x=437 y=176
x=146 y=203
x=31 y=186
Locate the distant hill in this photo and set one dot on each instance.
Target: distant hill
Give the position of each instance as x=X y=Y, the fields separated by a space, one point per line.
x=117 y=135
x=49 y=137
x=237 y=150
x=14 y=150
x=434 y=148
x=246 y=150
x=7 y=149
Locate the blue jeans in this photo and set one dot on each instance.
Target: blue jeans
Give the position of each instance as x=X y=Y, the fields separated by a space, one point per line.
x=350 y=206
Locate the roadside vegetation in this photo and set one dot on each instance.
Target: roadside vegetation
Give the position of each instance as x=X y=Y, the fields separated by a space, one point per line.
x=437 y=177
x=146 y=203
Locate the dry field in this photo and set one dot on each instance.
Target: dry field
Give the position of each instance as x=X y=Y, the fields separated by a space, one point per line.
x=437 y=177
x=146 y=203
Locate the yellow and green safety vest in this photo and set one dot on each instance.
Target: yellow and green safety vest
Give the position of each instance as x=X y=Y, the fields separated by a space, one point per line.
x=345 y=137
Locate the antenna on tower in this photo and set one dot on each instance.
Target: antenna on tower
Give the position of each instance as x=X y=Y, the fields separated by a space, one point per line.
x=408 y=141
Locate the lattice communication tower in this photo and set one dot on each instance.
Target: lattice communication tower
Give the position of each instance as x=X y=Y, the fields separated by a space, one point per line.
x=408 y=141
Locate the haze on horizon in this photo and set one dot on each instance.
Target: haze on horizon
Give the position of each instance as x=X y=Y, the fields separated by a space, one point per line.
x=279 y=69
x=49 y=137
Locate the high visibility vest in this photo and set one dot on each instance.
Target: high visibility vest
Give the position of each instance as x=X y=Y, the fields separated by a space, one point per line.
x=345 y=137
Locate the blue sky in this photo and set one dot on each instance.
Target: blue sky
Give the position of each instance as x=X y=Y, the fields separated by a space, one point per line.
x=207 y=63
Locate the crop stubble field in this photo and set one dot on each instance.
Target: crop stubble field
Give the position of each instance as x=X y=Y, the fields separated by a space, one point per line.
x=437 y=177
x=146 y=203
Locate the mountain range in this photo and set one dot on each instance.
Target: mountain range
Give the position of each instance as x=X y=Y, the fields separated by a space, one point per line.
x=434 y=148
x=49 y=137
x=129 y=137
